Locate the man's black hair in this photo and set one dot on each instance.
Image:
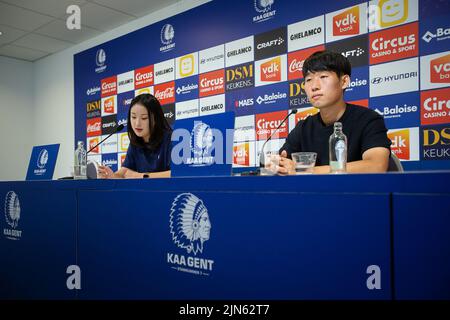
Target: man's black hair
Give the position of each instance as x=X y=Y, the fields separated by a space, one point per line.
x=327 y=61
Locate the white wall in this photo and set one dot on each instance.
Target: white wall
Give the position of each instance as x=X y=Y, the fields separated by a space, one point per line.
x=49 y=83
x=16 y=117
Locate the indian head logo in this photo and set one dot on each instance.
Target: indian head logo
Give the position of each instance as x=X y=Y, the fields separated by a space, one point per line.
x=167 y=36
x=189 y=223
x=263 y=6
x=42 y=159
x=12 y=209
x=100 y=59
x=201 y=139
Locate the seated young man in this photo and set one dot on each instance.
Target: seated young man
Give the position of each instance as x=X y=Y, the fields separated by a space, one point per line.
x=327 y=75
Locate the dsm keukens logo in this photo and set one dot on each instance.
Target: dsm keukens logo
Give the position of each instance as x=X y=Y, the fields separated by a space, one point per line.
x=264 y=10
x=167 y=37
x=190 y=228
x=12 y=216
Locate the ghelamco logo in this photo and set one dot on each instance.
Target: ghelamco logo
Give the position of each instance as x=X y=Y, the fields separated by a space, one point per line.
x=12 y=216
x=201 y=145
x=264 y=9
x=190 y=228
x=100 y=59
x=167 y=36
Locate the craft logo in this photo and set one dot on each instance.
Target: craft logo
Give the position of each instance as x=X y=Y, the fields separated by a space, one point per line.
x=167 y=36
x=109 y=86
x=93 y=109
x=347 y=22
x=212 y=83
x=165 y=92
x=12 y=216
x=435 y=106
x=143 y=77
x=296 y=60
x=267 y=123
x=400 y=143
x=100 y=59
x=239 y=77
x=109 y=124
x=264 y=10
x=440 y=70
x=190 y=228
x=241 y=154
x=436 y=142
x=169 y=113
x=394 y=44
x=94 y=127
x=269 y=44
x=354 y=49
x=297 y=94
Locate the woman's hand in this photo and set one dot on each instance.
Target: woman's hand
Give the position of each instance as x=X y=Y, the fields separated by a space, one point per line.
x=105 y=172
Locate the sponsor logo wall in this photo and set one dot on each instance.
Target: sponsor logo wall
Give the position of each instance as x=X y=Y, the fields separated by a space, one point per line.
x=400 y=69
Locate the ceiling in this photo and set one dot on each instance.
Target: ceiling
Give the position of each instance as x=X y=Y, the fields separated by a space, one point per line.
x=33 y=29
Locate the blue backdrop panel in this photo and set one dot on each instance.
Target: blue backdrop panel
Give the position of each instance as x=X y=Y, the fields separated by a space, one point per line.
x=261 y=246
x=39 y=244
x=422 y=246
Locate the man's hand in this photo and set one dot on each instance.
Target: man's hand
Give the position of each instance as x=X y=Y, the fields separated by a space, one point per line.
x=105 y=172
x=285 y=166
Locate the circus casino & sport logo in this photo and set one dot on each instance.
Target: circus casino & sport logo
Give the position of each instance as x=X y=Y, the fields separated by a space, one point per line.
x=190 y=228
x=167 y=36
x=12 y=216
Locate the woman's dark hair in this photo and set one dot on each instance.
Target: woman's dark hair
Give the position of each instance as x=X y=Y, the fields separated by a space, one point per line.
x=157 y=122
x=327 y=61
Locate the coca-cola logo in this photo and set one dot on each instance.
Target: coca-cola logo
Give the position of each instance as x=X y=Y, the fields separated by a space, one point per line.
x=296 y=65
x=166 y=94
x=93 y=127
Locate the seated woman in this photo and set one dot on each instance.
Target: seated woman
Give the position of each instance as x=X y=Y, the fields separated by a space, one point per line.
x=148 y=154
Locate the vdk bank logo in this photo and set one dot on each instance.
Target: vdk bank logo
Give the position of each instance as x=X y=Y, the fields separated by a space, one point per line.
x=202 y=138
x=167 y=36
x=190 y=228
x=12 y=216
x=100 y=59
x=264 y=9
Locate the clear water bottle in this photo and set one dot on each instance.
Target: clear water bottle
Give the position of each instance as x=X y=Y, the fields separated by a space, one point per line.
x=338 y=150
x=79 y=168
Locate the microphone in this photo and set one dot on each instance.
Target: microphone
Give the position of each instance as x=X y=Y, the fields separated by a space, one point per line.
x=120 y=127
x=91 y=168
x=261 y=158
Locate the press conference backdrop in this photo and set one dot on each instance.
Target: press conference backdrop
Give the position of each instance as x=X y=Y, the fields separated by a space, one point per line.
x=246 y=56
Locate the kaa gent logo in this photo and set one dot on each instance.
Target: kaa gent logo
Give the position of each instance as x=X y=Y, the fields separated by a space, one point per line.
x=264 y=8
x=190 y=228
x=189 y=223
x=42 y=159
x=167 y=36
x=100 y=59
x=12 y=215
x=201 y=144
